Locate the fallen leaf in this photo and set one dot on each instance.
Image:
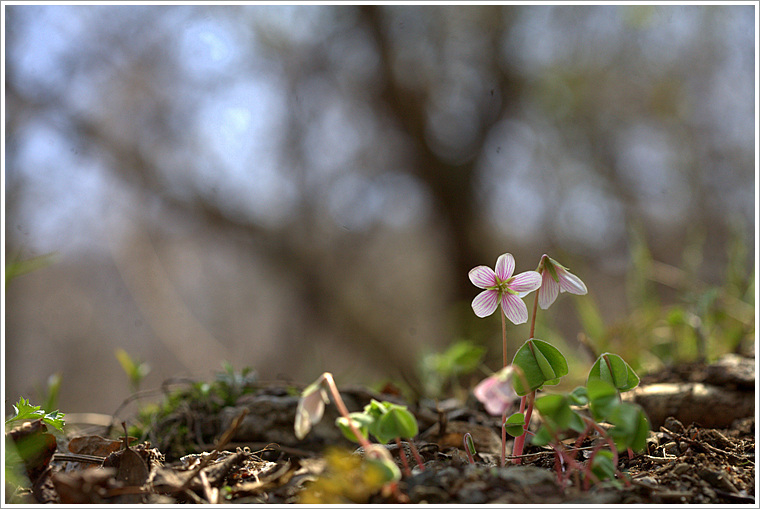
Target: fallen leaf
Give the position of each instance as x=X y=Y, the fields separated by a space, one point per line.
x=95 y=445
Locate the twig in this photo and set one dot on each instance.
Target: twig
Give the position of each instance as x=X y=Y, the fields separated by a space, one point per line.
x=223 y=440
x=81 y=458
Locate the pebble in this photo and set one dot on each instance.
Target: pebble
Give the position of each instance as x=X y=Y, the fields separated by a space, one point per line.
x=681 y=468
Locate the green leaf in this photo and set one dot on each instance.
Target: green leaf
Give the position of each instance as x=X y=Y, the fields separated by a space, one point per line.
x=631 y=427
x=603 y=398
x=514 y=425
x=556 y=410
x=460 y=358
x=396 y=422
x=386 y=468
x=611 y=368
x=389 y=421
x=579 y=396
x=376 y=408
x=542 y=437
x=360 y=420
x=590 y=317
x=20 y=267
x=541 y=364
x=602 y=466
x=25 y=410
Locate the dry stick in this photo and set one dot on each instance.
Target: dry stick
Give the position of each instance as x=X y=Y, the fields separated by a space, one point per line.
x=221 y=443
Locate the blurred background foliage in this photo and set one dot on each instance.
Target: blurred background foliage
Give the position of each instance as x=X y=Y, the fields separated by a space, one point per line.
x=298 y=189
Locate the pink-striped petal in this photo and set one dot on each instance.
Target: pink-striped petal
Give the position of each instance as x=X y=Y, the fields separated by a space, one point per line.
x=485 y=303
x=526 y=281
x=514 y=308
x=505 y=266
x=570 y=282
x=548 y=292
x=482 y=276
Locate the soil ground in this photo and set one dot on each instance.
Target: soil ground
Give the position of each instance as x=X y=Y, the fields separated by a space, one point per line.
x=246 y=452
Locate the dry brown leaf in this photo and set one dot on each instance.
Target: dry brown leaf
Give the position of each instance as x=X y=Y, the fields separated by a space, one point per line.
x=95 y=445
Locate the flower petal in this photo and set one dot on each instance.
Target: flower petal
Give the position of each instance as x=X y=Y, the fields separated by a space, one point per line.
x=495 y=406
x=569 y=282
x=483 y=389
x=496 y=395
x=548 y=292
x=514 y=308
x=505 y=266
x=482 y=276
x=526 y=281
x=485 y=303
x=311 y=407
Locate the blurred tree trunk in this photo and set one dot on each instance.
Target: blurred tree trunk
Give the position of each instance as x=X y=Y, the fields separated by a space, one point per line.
x=451 y=185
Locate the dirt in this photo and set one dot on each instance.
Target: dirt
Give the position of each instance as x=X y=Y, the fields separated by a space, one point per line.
x=246 y=452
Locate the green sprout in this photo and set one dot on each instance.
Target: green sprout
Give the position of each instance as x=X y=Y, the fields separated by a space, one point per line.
x=135 y=370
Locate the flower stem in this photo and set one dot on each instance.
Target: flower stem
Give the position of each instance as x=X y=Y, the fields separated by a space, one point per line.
x=417 y=456
x=402 y=454
x=330 y=381
x=520 y=441
x=504 y=338
x=504 y=439
x=517 y=449
x=533 y=319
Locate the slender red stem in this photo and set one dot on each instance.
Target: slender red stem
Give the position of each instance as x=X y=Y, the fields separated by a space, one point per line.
x=417 y=456
x=520 y=441
x=402 y=454
x=504 y=439
x=330 y=381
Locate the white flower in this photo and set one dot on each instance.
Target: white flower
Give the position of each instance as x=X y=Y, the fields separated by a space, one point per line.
x=502 y=287
x=310 y=408
x=555 y=278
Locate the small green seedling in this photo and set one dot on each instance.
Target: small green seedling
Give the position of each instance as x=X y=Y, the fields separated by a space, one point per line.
x=49 y=395
x=135 y=370
x=311 y=408
x=469 y=448
x=25 y=411
x=385 y=421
